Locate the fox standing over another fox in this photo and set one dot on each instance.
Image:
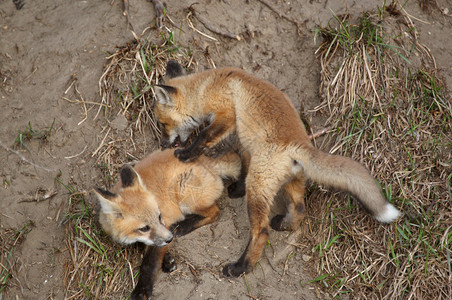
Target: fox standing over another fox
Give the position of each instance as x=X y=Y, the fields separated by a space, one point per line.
x=276 y=149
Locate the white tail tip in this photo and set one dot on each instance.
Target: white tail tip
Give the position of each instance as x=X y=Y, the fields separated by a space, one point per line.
x=389 y=214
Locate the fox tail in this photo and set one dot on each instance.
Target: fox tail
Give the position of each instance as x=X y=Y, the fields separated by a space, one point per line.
x=348 y=175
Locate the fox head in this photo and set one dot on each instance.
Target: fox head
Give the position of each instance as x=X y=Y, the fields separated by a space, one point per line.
x=171 y=109
x=132 y=214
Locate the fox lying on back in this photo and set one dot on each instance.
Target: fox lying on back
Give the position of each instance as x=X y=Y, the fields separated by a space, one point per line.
x=278 y=152
x=159 y=198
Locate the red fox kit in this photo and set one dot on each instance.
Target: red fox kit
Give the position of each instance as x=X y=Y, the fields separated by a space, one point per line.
x=271 y=135
x=159 y=198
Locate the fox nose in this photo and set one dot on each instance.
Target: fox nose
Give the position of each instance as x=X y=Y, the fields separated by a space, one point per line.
x=164 y=144
x=169 y=240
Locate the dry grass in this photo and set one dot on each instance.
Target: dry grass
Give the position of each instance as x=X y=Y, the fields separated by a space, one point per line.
x=428 y=5
x=389 y=111
x=391 y=115
x=126 y=91
x=132 y=71
x=99 y=268
x=10 y=264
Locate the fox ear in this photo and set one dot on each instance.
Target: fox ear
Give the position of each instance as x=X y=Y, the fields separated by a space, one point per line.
x=163 y=94
x=129 y=177
x=173 y=69
x=107 y=201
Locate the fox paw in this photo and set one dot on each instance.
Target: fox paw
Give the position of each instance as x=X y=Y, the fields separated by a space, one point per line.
x=142 y=292
x=169 y=263
x=185 y=156
x=235 y=269
x=236 y=190
x=277 y=223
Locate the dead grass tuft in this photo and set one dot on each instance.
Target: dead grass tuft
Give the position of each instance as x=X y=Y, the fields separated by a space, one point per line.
x=132 y=71
x=126 y=89
x=391 y=112
x=10 y=264
x=98 y=267
x=428 y=5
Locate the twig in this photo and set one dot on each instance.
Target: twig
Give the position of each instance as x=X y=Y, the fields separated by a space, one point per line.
x=159 y=12
x=32 y=72
x=72 y=81
x=36 y=199
x=84 y=106
x=413 y=17
x=285 y=265
x=126 y=12
x=370 y=76
x=252 y=297
x=190 y=24
x=73 y=156
x=281 y=15
x=86 y=102
x=319 y=133
x=380 y=69
x=24 y=159
x=138 y=57
x=131 y=273
x=101 y=144
x=192 y=270
x=211 y=27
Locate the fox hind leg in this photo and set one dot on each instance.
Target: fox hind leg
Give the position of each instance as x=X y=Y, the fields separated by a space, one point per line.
x=258 y=211
x=294 y=191
x=238 y=189
x=262 y=184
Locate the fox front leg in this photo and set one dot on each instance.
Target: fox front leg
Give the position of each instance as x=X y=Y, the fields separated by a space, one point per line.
x=152 y=262
x=193 y=151
x=169 y=263
x=207 y=138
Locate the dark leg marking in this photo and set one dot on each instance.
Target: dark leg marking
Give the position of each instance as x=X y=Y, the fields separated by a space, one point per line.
x=152 y=262
x=240 y=267
x=169 y=263
x=237 y=189
x=187 y=225
x=199 y=145
x=276 y=223
x=193 y=151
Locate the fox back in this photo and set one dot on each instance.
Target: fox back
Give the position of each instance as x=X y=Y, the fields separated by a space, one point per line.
x=267 y=126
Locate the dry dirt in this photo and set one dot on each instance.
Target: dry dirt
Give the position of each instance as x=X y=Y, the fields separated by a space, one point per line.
x=47 y=44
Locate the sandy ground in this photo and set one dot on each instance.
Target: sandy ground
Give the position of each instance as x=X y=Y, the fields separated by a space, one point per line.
x=48 y=43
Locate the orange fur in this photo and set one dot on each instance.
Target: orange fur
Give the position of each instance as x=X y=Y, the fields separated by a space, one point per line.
x=161 y=198
x=270 y=131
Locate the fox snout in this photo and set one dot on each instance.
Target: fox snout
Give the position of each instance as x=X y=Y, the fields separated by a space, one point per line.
x=162 y=242
x=165 y=143
x=169 y=142
x=161 y=237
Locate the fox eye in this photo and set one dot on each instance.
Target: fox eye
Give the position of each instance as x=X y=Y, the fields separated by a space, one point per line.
x=160 y=218
x=145 y=228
